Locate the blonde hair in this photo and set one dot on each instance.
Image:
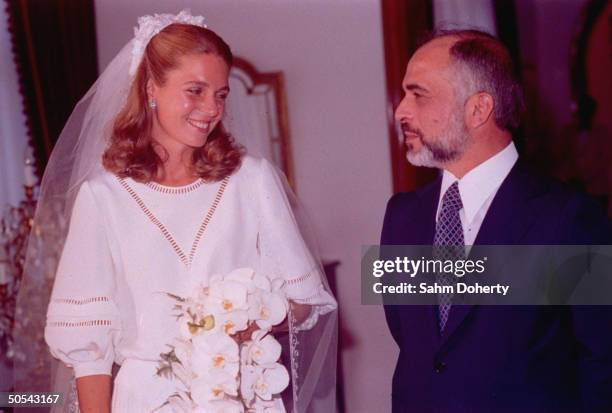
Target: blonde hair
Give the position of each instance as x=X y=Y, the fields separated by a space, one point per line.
x=130 y=152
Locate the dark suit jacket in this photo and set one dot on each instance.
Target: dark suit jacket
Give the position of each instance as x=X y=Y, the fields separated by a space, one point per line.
x=551 y=359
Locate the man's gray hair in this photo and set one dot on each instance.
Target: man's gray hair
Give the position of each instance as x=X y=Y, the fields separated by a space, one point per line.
x=481 y=63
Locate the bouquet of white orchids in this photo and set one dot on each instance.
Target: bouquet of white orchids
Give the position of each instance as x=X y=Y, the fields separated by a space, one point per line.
x=215 y=372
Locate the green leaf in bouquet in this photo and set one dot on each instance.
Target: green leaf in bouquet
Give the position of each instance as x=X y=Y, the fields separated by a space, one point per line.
x=176 y=297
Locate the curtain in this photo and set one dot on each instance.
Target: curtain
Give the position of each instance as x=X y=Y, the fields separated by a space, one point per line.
x=55 y=51
x=13 y=132
x=465 y=14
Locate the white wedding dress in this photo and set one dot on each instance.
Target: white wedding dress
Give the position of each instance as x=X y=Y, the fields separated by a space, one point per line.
x=130 y=243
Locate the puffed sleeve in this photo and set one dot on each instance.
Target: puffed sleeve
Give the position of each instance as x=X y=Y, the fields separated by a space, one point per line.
x=284 y=252
x=83 y=322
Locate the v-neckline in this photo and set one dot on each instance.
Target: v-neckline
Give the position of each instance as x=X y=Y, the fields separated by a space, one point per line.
x=186 y=259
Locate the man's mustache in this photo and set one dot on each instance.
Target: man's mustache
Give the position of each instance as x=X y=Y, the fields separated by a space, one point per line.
x=406 y=128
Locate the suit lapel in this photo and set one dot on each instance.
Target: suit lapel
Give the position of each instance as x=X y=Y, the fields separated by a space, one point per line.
x=423 y=223
x=506 y=222
x=509 y=216
x=420 y=231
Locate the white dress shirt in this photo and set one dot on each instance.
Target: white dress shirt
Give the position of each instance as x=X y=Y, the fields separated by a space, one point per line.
x=478 y=188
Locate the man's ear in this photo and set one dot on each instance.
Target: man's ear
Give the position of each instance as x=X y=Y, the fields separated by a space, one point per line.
x=478 y=110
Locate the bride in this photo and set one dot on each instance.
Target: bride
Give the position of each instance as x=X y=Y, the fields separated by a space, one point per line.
x=160 y=198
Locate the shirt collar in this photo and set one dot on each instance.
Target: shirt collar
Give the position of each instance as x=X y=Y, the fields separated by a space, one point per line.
x=481 y=182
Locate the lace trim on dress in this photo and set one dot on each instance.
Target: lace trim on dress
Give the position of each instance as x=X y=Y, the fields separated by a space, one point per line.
x=299 y=279
x=186 y=260
x=73 y=399
x=75 y=301
x=294 y=354
x=176 y=190
x=89 y=323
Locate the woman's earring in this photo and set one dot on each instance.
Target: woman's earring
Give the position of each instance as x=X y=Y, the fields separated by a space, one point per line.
x=152 y=104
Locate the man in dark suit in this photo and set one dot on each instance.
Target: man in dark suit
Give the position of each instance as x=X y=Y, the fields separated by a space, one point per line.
x=461 y=102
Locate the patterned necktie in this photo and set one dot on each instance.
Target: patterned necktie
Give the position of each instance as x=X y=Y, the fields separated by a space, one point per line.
x=449 y=236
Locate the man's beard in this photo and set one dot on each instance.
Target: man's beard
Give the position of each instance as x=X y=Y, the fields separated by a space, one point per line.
x=436 y=151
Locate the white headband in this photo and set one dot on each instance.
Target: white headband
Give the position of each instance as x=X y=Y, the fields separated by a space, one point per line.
x=149 y=26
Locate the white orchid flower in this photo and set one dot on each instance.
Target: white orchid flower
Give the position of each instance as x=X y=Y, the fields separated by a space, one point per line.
x=232 y=322
x=263 y=381
x=275 y=379
x=262 y=282
x=197 y=304
x=215 y=385
x=211 y=363
x=215 y=352
x=248 y=377
x=262 y=349
x=267 y=309
x=226 y=296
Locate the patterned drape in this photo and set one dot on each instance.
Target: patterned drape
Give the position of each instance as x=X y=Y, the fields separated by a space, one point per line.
x=13 y=133
x=55 y=51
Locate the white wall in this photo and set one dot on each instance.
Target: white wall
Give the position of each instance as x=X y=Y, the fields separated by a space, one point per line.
x=332 y=57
